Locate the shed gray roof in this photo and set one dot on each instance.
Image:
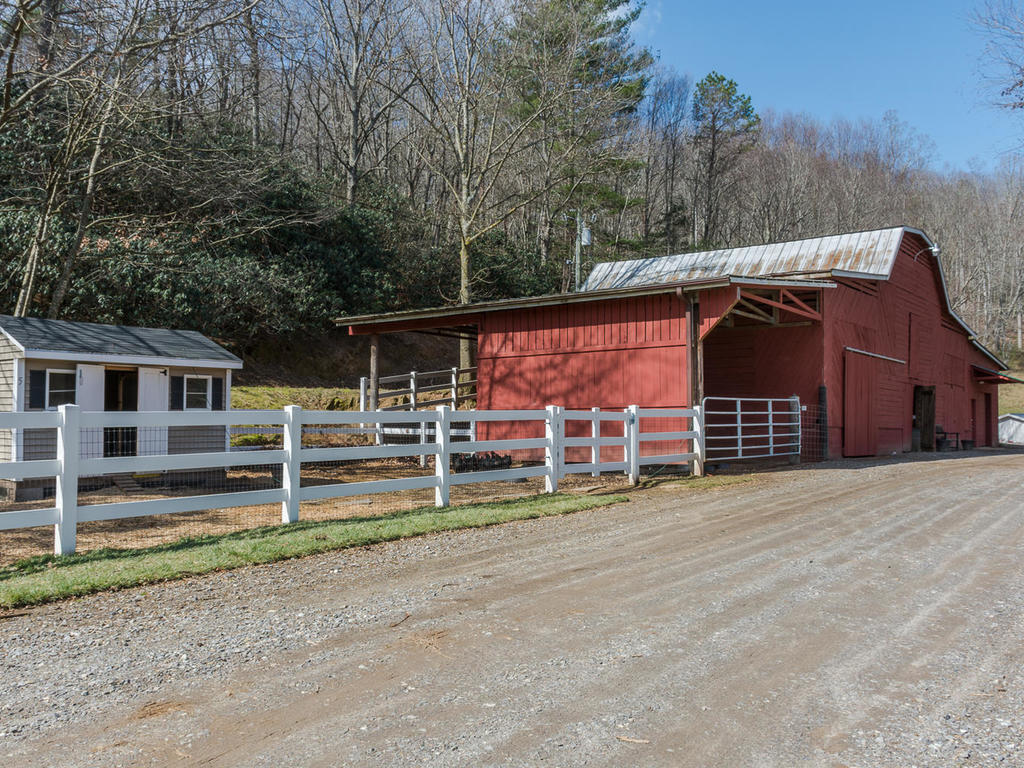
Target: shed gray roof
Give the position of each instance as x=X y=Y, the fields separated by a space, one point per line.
x=37 y=337
x=861 y=254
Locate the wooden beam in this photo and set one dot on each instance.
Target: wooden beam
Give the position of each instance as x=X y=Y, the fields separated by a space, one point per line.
x=374 y=371
x=758 y=312
x=802 y=310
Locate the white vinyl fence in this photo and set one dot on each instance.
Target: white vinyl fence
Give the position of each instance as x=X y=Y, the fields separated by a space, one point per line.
x=630 y=446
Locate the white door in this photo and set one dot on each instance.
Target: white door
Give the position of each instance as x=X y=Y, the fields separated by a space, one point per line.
x=89 y=394
x=153 y=384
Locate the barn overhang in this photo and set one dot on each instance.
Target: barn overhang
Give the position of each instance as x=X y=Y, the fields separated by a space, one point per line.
x=988 y=376
x=468 y=316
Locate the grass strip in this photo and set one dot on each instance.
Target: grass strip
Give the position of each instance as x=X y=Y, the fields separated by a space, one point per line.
x=46 y=578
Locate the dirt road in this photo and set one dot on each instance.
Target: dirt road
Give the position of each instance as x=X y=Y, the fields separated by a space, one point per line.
x=864 y=615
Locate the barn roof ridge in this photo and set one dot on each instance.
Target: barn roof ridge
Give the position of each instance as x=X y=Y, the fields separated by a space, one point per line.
x=869 y=252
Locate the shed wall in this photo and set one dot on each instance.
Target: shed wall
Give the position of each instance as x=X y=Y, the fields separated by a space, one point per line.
x=9 y=353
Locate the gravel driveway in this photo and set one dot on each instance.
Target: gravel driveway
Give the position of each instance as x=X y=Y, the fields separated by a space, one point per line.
x=855 y=614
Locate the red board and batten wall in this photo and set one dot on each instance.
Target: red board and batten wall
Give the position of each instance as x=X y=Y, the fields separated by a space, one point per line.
x=903 y=318
x=608 y=354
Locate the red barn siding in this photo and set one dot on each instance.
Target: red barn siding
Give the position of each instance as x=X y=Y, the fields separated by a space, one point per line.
x=902 y=318
x=608 y=354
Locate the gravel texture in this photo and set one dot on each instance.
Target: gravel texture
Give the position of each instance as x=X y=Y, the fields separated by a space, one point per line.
x=854 y=614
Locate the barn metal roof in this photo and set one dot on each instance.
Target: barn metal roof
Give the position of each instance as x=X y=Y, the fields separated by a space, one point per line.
x=859 y=254
x=62 y=339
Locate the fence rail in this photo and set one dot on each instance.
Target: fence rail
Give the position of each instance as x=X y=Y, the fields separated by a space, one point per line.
x=751 y=427
x=417 y=383
x=606 y=441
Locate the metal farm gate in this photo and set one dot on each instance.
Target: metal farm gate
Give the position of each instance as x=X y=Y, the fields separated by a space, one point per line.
x=751 y=427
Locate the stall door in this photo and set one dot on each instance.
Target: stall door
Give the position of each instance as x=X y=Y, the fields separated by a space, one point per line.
x=860 y=433
x=153 y=397
x=89 y=395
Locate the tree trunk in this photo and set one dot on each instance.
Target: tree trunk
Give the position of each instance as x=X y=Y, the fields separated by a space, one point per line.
x=465 y=345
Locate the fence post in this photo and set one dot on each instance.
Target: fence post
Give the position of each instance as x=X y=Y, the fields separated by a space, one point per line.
x=553 y=448
x=633 y=444
x=291 y=475
x=595 y=451
x=362 y=398
x=698 y=442
x=442 y=460
x=66 y=497
x=455 y=389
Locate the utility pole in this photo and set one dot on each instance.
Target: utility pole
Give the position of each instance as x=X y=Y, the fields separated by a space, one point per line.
x=579 y=249
x=583 y=239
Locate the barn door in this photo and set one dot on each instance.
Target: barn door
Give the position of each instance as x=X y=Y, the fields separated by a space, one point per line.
x=924 y=415
x=860 y=434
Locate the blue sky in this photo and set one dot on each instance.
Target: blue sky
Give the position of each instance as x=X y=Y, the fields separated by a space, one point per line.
x=853 y=60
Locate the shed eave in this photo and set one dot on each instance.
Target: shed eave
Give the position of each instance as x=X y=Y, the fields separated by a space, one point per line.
x=116 y=359
x=452 y=313
x=448 y=316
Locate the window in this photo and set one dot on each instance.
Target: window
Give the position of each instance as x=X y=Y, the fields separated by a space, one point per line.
x=60 y=388
x=197 y=393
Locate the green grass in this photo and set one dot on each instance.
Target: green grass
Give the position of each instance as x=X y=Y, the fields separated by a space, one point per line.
x=44 y=579
x=1011 y=396
x=310 y=398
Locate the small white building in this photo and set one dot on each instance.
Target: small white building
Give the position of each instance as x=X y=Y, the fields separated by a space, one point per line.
x=1011 y=429
x=48 y=363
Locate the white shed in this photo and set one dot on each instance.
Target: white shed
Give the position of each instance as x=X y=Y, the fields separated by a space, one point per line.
x=48 y=363
x=1011 y=429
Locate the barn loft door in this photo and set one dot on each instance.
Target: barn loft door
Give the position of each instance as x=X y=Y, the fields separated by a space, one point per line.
x=860 y=433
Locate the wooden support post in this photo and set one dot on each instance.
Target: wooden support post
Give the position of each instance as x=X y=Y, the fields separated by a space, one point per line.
x=595 y=451
x=291 y=475
x=65 y=532
x=694 y=352
x=823 y=420
x=374 y=371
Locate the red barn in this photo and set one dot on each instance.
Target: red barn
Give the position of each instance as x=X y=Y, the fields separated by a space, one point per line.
x=858 y=325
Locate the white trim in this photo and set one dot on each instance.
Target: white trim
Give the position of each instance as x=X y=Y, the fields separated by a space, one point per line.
x=875 y=354
x=112 y=359
x=18 y=405
x=14 y=341
x=209 y=392
x=46 y=394
x=227 y=407
x=781 y=282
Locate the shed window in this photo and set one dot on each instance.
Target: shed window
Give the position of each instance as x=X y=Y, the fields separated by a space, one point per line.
x=197 y=393
x=60 y=388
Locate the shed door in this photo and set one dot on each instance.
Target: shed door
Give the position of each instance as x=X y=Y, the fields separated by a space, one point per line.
x=860 y=434
x=153 y=396
x=89 y=396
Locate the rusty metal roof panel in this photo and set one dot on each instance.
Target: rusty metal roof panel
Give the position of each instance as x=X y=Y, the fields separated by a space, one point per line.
x=862 y=253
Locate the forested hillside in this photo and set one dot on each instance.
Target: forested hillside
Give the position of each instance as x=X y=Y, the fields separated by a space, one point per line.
x=253 y=168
